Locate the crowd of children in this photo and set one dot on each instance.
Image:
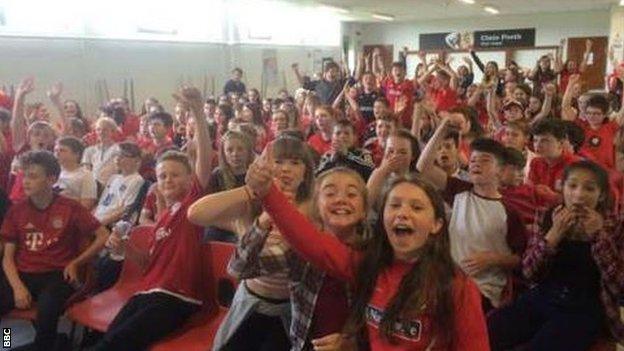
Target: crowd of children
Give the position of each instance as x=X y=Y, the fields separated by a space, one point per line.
x=369 y=211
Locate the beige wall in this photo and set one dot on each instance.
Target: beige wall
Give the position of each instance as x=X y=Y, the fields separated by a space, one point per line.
x=156 y=67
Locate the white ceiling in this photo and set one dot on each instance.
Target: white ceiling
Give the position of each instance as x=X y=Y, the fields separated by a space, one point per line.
x=409 y=10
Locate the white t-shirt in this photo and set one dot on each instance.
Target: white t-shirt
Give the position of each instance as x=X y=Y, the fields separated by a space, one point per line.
x=77 y=184
x=101 y=160
x=120 y=192
x=480 y=224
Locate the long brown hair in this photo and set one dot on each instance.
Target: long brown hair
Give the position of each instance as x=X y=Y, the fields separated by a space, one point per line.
x=229 y=179
x=427 y=286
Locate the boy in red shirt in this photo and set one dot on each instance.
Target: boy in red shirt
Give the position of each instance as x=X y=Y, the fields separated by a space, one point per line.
x=396 y=87
x=41 y=237
x=170 y=289
x=443 y=91
x=600 y=131
x=159 y=125
x=546 y=170
x=525 y=199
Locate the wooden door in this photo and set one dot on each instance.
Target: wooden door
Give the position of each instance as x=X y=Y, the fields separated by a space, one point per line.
x=387 y=53
x=593 y=77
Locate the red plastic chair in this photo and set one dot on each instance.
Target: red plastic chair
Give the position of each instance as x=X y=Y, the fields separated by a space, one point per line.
x=198 y=333
x=28 y=315
x=98 y=311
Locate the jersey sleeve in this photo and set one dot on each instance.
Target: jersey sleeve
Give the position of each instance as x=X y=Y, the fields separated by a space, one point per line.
x=328 y=253
x=516 y=232
x=454 y=186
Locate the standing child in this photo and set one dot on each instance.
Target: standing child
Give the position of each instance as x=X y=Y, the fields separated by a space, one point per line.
x=397 y=88
x=487 y=237
x=324 y=120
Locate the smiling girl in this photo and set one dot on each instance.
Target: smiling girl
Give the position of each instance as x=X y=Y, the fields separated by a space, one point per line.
x=409 y=295
x=260 y=311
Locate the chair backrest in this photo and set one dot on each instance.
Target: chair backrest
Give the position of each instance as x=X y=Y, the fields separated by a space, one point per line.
x=219 y=285
x=139 y=241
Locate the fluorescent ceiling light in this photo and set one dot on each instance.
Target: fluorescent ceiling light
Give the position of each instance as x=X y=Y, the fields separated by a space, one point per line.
x=335 y=8
x=621 y=2
x=471 y=2
x=491 y=9
x=383 y=17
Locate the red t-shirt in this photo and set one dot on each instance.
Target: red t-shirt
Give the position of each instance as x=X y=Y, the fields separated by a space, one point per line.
x=338 y=260
x=48 y=239
x=600 y=143
x=529 y=203
x=331 y=309
x=444 y=99
x=175 y=263
x=318 y=144
x=394 y=91
x=551 y=175
x=130 y=127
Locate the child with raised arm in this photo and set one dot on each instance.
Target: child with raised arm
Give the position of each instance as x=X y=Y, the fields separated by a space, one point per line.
x=408 y=293
x=487 y=236
x=260 y=312
x=170 y=289
x=41 y=236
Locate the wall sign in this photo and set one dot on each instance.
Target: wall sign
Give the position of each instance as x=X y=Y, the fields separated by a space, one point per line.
x=506 y=38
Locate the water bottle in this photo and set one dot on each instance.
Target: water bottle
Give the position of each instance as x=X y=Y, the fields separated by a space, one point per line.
x=121 y=230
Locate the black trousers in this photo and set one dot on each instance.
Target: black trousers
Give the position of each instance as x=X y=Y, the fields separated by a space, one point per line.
x=144 y=319
x=259 y=332
x=50 y=291
x=545 y=319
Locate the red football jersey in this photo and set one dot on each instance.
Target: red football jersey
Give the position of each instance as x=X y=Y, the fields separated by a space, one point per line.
x=551 y=175
x=318 y=144
x=394 y=91
x=600 y=142
x=48 y=239
x=175 y=263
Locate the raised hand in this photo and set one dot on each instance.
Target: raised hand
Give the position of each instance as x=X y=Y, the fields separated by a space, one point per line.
x=574 y=78
x=550 y=89
x=55 y=92
x=26 y=86
x=588 y=45
x=260 y=173
x=190 y=97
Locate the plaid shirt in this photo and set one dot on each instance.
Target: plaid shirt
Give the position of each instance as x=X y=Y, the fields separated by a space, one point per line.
x=252 y=259
x=607 y=253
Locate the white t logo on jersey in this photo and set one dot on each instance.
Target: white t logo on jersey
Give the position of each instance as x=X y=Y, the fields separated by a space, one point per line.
x=34 y=241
